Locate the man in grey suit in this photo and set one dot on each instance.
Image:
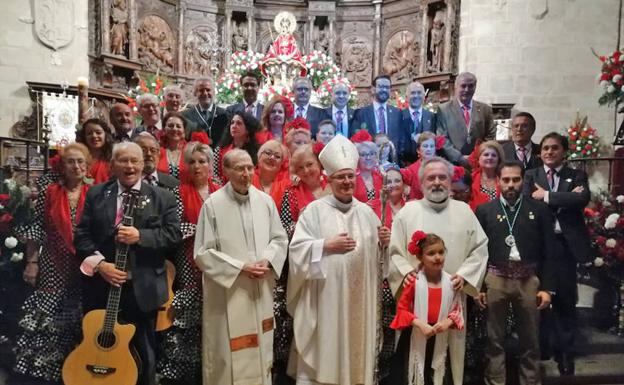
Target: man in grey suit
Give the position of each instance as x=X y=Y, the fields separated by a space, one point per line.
x=341 y=115
x=464 y=121
x=302 y=87
x=521 y=147
x=250 y=84
x=416 y=119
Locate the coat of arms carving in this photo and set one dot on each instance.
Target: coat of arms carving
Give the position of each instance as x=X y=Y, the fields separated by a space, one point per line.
x=54 y=22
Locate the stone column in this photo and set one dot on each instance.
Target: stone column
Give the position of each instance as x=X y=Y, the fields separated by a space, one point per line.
x=308 y=41
x=227 y=37
x=377 y=37
x=251 y=31
x=423 y=40
x=105 y=24
x=332 y=38
x=181 y=11
x=133 y=27
x=449 y=24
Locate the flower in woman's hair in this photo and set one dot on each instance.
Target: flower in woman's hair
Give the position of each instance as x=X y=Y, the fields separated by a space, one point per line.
x=418 y=236
x=439 y=142
x=362 y=136
x=289 y=109
x=414 y=246
x=297 y=123
x=317 y=148
x=458 y=173
x=200 y=137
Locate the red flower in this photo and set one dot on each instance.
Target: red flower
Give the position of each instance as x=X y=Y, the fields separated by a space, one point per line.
x=600 y=240
x=201 y=137
x=589 y=212
x=418 y=236
x=55 y=164
x=605 y=76
x=458 y=173
x=584 y=152
x=317 y=148
x=297 y=123
x=414 y=246
x=588 y=147
x=4 y=198
x=289 y=109
x=361 y=136
x=602 y=58
x=439 y=142
x=6 y=218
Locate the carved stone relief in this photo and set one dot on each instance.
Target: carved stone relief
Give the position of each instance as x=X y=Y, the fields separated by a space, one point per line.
x=357 y=60
x=240 y=36
x=321 y=39
x=119 y=27
x=54 y=22
x=156 y=44
x=201 y=51
x=401 y=59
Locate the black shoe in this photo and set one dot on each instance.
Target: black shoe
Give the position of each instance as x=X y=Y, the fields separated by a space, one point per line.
x=566 y=366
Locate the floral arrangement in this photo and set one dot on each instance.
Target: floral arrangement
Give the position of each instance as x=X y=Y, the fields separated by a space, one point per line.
x=228 y=88
x=326 y=89
x=14 y=212
x=267 y=93
x=605 y=222
x=611 y=78
x=246 y=61
x=582 y=138
x=398 y=100
x=320 y=67
x=148 y=84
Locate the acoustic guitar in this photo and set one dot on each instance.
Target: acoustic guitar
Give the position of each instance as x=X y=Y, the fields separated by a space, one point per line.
x=164 y=318
x=104 y=357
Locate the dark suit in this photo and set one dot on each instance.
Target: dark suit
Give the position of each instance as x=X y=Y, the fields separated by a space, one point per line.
x=213 y=121
x=146 y=291
x=451 y=124
x=394 y=125
x=167 y=181
x=314 y=116
x=510 y=152
x=348 y=119
x=573 y=245
x=535 y=240
x=426 y=123
x=240 y=107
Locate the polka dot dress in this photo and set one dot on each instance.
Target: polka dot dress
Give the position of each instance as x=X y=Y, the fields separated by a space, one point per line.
x=51 y=326
x=491 y=193
x=370 y=194
x=174 y=170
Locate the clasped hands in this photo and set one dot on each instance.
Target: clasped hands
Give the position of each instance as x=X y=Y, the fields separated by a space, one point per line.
x=431 y=330
x=257 y=270
x=343 y=243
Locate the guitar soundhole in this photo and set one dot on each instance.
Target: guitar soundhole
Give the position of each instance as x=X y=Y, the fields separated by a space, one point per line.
x=106 y=339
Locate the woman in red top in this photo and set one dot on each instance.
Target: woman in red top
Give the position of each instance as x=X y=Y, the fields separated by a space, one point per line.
x=274 y=116
x=172 y=145
x=432 y=307
x=270 y=175
x=98 y=137
x=368 y=181
x=181 y=359
x=396 y=195
x=50 y=328
x=242 y=134
x=484 y=178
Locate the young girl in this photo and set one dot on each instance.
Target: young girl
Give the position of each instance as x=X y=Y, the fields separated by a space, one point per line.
x=430 y=305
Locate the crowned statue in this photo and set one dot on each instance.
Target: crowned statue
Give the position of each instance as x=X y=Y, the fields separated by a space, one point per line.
x=283 y=62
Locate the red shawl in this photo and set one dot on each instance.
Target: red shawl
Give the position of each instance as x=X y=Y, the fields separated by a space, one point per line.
x=281 y=182
x=100 y=171
x=375 y=204
x=360 y=186
x=163 y=163
x=192 y=201
x=299 y=197
x=263 y=137
x=58 y=214
x=412 y=180
x=478 y=197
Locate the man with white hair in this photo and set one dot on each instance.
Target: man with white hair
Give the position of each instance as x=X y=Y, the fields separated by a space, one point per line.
x=336 y=269
x=174 y=98
x=416 y=119
x=340 y=113
x=149 y=109
x=465 y=240
x=206 y=116
x=464 y=121
x=155 y=232
x=240 y=246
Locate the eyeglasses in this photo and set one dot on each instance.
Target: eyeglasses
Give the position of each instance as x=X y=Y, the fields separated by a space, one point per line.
x=272 y=154
x=151 y=150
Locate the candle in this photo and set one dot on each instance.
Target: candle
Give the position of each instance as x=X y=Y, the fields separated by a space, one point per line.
x=83 y=81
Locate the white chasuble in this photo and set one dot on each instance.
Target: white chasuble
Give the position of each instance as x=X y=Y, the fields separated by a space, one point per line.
x=333 y=297
x=466 y=252
x=237 y=332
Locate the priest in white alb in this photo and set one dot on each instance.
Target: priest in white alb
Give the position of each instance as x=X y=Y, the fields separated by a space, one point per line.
x=336 y=265
x=240 y=246
x=456 y=224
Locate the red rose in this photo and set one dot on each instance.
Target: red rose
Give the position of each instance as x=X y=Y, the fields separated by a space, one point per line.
x=317 y=148
x=605 y=77
x=439 y=142
x=413 y=248
x=584 y=152
x=4 y=198
x=602 y=58
x=361 y=136
x=588 y=147
x=600 y=240
x=418 y=236
x=616 y=56
x=458 y=173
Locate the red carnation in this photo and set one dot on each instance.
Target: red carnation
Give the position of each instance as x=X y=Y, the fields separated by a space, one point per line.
x=6 y=218
x=56 y=164
x=289 y=109
x=4 y=198
x=361 y=136
x=200 y=137
x=317 y=148
x=418 y=236
x=584 y=152
x=605 y=76
x=439 y=142
x=588 y=147
x=602 y=58
x=600 y=240
x=458 y=173
x=297 y=123
x=414 y=246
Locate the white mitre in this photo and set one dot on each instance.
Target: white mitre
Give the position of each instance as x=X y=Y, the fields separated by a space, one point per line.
x=339 y=154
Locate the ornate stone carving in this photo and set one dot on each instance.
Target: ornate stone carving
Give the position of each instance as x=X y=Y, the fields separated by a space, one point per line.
x=435 y=51
x=54 y=22
x=202 y=55
x=119 y=27
x=240 y=36
x=356 y=60
x=156 y=44
x=322 y=39
x=400 y=59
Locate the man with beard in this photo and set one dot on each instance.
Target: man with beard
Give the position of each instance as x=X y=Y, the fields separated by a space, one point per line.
x=463 y=236
x=380 y=117
x=155 y=232
x=336 y=268
x=521 y=273
x=151 y=157
x=205 y=116
x=302 y=87
x=340 y=113
x=240 y=246
x=249 y=85
x=416 y=119
x=122 y=118
x=464 y=121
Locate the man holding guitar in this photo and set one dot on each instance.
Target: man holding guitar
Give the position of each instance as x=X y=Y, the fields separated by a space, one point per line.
x=98 y=239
